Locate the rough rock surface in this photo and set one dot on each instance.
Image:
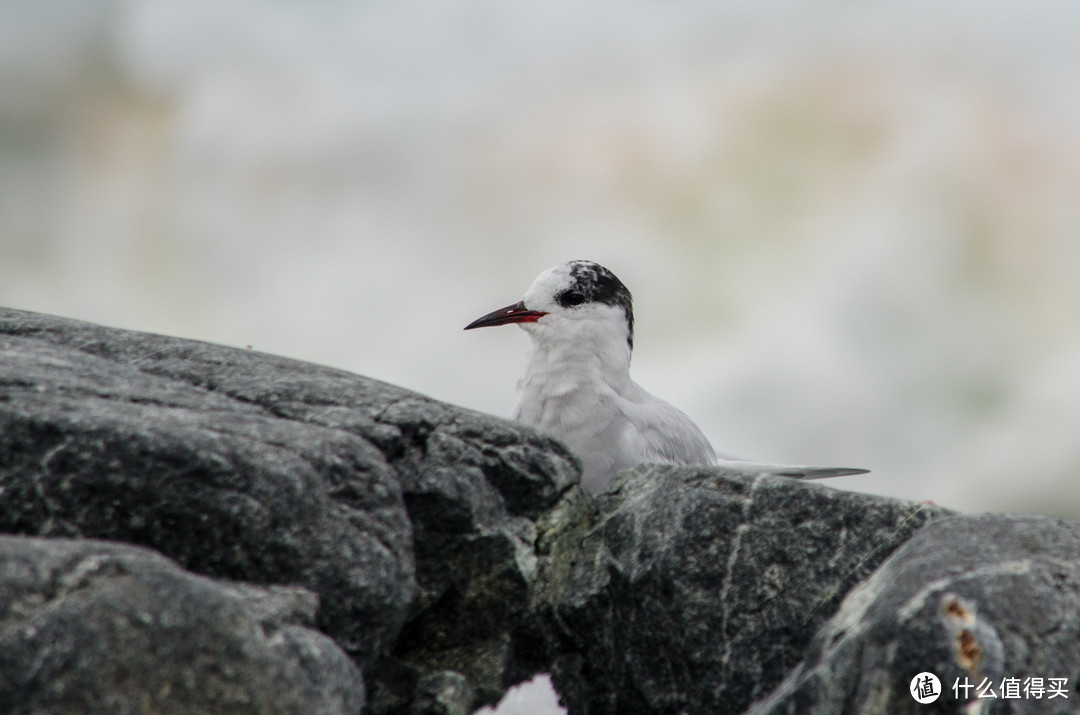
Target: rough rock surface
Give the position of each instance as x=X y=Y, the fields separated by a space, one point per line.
x=410 y=518
x=968 y=598
x=171 y=444
x=697 y=591
x=89 y=626
x=451 y=555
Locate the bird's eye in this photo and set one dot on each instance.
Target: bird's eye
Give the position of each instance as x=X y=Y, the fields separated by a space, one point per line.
x=571 y=298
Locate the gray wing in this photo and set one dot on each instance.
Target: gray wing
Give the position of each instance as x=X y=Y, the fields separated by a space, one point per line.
x=665 y=434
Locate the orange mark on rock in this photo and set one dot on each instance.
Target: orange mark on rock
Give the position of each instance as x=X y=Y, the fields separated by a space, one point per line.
x=968 y=653
x=954 y=608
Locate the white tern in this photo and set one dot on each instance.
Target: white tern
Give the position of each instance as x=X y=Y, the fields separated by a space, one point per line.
x=576 y=385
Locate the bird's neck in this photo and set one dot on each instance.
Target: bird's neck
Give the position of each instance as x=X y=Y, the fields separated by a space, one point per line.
x=583 y=361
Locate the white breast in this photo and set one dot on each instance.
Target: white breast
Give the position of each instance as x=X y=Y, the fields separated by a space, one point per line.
x=608 y=427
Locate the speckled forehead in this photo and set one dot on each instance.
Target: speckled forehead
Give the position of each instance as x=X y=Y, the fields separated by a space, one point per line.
x=548 y=284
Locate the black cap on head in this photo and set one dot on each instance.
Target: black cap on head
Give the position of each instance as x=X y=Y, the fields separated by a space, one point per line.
x=592 y=283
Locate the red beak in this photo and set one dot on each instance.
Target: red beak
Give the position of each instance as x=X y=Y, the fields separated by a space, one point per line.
x=516 y=313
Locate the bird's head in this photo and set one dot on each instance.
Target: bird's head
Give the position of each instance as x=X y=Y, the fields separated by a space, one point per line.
x=575 y=301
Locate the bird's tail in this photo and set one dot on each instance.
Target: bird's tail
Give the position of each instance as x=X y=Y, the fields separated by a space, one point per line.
x=817 y=472
x=789 y=470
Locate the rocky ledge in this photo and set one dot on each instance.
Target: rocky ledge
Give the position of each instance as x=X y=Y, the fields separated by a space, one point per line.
x=196 y=528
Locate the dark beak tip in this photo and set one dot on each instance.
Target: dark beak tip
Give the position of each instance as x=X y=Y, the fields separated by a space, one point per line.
x=516 y=313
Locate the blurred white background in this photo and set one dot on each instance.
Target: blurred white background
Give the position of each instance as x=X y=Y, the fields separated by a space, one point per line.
x=850 y=228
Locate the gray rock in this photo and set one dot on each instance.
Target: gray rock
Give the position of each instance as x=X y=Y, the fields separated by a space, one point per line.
x=697 y=591
x=446 y=693
x=89 y=626
x=451 y=555
x=968 y=598
x=162 y=442
x=475 y=488
x=414 y=521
